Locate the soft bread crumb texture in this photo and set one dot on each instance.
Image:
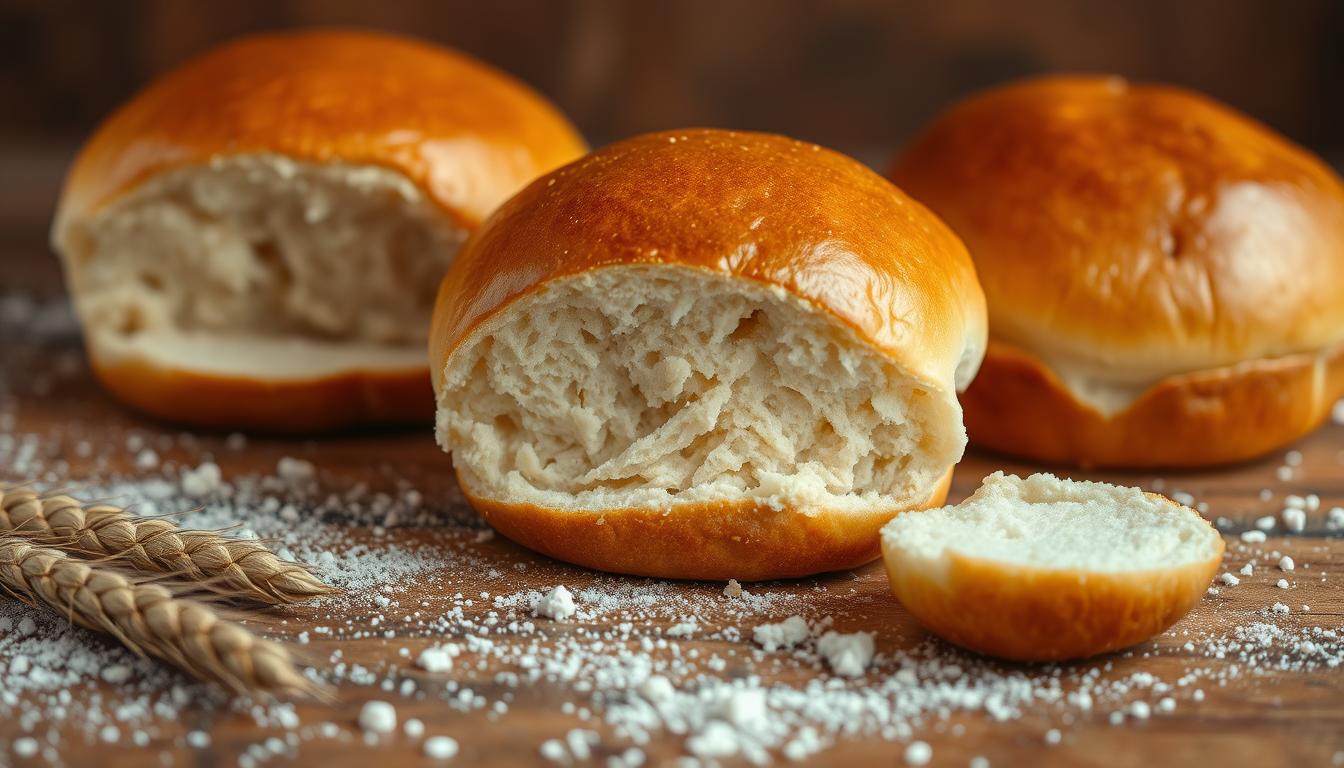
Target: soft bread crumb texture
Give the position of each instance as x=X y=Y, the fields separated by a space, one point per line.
x=260 y=248
x=1052 y=523
x=646 y=387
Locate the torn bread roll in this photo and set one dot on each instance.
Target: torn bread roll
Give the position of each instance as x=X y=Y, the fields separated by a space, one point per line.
x=706 y=354
x=1163 y=274
x=1045 y=569
x=254 y=240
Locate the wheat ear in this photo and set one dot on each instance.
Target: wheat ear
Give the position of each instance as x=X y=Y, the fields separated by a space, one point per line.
x=234 y=567
x=147 y=619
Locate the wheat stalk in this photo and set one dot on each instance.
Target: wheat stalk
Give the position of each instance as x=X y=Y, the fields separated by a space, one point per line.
x=149 y=620
x=234 y=567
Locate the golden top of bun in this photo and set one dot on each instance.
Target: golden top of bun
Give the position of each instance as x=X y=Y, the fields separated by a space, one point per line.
x=466 y=133
x=1138 y=229
x=757 y=206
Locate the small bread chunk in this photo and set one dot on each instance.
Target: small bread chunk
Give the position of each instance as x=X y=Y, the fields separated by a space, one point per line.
x=1046 y=569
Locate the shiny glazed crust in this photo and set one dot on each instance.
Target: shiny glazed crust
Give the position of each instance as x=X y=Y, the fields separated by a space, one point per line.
x=748 y=542
x=1136 y=226
x=757 y=206
x=1032 y=614
x=278 y=406
x=465 y=133
x=1018 y=406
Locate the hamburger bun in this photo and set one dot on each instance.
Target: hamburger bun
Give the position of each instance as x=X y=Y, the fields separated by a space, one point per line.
x=1163 y=274
x=253 y=241
x=706 y=354
x=1045 y=569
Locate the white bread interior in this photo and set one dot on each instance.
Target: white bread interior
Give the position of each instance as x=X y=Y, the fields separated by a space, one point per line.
x=1045 y=522
x=655 y=386
x=263 y=266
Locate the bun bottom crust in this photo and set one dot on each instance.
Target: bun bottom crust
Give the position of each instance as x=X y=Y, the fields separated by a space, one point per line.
x=283 y=406
x=1032 y=614
x=711 y=542
x=1018 y=407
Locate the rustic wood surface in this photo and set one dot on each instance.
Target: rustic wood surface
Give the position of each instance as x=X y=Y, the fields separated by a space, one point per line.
x=1286 y=718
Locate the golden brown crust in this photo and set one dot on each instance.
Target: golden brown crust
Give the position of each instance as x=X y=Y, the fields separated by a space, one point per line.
x=1018 y=406
x=1032 y=614
x=756 y=206
x=1136 y=227
x=465 y=133
x=745 y=541
x=292 y=406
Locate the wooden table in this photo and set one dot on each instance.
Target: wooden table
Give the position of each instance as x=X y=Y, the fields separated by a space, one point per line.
x=1275 y=717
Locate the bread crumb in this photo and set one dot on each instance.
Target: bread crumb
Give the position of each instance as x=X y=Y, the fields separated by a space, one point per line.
x=378 y=717
x=413 y=728
x=293 y=470
x=204 y=480
x=918 y=753
x=1253 y=537
x=657 y=689
x=784 y=634
x=1282 y=583
x=1286 y=563
x=1248 y=569
x=437 y=659
x=26 y=747
x=1229 y=580
x=683 y=629
x=1266 y=523
x=1294 y=519
x=734 y=589
x=557 y=604
x=116 y=674
x=147 y=459
x=847 y=654
x=440 y=747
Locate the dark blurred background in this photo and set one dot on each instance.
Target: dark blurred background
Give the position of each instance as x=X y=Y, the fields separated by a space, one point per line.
x=857 y=75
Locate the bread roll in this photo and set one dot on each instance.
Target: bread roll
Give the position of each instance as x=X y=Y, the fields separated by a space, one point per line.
x=253 y=241
x=1163 y=274
x=1045 y=569
x=705 y=354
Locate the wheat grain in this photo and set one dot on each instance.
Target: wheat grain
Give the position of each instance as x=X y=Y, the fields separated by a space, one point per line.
x=149 y=620
x=233 y=567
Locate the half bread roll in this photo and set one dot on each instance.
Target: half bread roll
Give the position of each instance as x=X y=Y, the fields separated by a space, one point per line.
x=254 y=240
x=1045 y=569
x=706 y=354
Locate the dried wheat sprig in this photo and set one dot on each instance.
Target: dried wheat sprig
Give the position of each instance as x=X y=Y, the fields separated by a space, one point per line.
x=149 y=620
x=233 y=567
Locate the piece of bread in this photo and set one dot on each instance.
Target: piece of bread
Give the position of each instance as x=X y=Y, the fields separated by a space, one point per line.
x=254 y=240
x=1163 y=274
x=1045 y=569
x=706 y=354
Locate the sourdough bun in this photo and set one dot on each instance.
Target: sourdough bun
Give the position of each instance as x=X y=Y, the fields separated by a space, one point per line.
x=1045 y=569
x=706 y=354
x=1162 y=273
x=253 y=240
